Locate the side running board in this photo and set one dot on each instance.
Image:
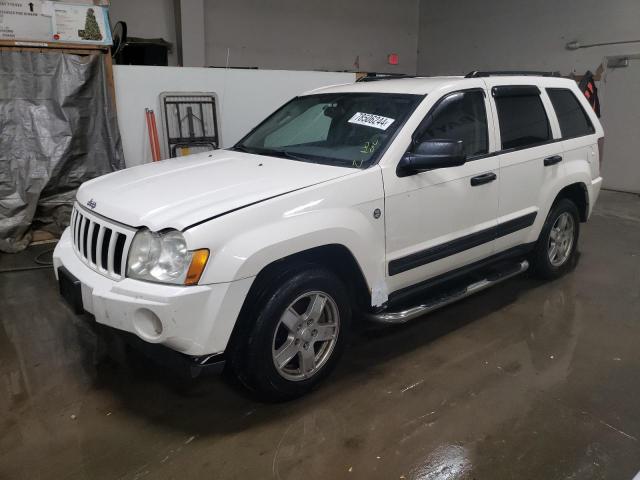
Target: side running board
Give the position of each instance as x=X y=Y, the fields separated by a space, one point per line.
x=403 y=316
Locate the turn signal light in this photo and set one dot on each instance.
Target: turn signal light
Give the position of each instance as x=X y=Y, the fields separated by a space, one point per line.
x=198 y=262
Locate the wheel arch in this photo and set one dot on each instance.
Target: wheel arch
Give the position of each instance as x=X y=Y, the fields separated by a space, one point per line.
x=335 y=257
x=576 y=192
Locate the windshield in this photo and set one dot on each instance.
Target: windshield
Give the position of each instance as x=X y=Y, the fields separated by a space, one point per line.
x=344 y=129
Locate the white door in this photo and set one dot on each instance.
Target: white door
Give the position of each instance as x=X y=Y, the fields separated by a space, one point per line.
x=530 y=155
x=620 y=118
x=442 y=219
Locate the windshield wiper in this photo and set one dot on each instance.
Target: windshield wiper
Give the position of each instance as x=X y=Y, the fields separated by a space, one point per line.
x=274 y=152
x=285 y=154
x=242 y=148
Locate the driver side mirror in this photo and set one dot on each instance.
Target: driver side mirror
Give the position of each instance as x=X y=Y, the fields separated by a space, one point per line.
x=431 y=155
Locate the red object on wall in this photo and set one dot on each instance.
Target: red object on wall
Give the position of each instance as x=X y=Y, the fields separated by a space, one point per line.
x=393 y=59
x=588 y=86
x=153 y=134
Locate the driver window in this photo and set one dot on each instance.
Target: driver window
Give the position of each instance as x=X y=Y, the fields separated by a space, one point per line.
x=459 y=116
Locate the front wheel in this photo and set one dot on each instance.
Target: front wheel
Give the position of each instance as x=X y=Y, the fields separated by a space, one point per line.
x=298 y=335
x=555 y=251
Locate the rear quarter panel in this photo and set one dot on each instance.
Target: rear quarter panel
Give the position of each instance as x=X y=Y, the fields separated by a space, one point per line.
x=580 y=161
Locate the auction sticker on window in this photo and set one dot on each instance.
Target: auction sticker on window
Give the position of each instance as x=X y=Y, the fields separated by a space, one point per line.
x=371 y=120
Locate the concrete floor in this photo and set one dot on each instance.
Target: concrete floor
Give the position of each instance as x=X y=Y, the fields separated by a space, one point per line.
x=523 y=381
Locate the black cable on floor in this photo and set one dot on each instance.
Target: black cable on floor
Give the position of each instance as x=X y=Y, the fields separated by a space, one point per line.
x=37 y=259
x=24 y=269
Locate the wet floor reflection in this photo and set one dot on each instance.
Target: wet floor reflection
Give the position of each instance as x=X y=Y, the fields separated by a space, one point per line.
x=527 y=380
x=444 y=463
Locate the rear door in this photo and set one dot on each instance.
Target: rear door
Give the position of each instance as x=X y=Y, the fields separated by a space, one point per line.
x=579 y=137
x=529 y=155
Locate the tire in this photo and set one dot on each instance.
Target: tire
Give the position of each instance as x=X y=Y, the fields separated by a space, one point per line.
x=281 y=323
x=545 y=263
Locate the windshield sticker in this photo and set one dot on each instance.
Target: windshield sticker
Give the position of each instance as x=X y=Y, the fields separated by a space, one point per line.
x=370 y=147
x=371 y=120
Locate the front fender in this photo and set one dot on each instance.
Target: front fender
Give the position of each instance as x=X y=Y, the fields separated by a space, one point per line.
x=248 y=253
x=338 y=212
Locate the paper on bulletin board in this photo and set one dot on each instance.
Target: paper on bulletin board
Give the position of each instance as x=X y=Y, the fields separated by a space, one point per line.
x=24 y=20
x=80 y=23
x=45 y=20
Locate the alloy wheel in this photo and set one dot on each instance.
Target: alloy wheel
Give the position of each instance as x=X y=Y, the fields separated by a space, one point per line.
x=561 y=238
x=305 y=336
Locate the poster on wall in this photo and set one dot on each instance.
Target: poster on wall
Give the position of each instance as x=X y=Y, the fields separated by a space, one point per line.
x=49 y=21
x=80 y=23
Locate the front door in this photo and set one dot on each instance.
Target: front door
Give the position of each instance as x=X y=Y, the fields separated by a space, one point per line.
x=439 y=220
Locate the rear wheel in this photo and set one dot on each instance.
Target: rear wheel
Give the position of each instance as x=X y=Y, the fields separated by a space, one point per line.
x=555 y=251
x=297 y=336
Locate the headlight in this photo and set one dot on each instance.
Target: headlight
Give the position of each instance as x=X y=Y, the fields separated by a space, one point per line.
x=163 y=257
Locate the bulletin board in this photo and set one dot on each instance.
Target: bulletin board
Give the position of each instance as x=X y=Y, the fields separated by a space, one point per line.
x=49 y=21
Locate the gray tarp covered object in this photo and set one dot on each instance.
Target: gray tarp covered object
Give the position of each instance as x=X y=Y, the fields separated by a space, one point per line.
x=58 y=128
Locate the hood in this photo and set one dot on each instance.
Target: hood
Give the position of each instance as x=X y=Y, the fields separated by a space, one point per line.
x=179 y=192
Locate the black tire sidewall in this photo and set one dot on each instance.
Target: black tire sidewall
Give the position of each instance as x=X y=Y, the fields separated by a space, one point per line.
x=259 y=368
x=542 y=264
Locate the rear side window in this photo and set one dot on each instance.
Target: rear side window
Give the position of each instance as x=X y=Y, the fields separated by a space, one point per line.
x=573 y=120
x=522 y=117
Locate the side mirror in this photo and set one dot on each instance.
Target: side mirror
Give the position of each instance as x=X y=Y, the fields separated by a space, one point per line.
x=430 y=155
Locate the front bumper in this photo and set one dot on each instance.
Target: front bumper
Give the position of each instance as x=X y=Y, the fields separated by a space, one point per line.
x=195 y=320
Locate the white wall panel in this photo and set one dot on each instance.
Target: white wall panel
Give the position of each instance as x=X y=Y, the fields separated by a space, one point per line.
x=246 y=97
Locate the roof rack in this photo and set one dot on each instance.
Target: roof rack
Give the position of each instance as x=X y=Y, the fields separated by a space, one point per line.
x=476 y=74
x=374 y=77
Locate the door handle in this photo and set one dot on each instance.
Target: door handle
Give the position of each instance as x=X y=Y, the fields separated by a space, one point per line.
x=552 y=160
x=482 y=179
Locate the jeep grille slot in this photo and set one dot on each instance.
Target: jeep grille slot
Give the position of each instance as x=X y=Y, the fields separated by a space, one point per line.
x=100 y=244
x=104 y=249
x=117 y=260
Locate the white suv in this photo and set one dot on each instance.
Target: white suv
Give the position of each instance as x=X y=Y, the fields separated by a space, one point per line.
x=384 y=198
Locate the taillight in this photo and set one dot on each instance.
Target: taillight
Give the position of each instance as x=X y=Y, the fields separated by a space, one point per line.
x=600 y=149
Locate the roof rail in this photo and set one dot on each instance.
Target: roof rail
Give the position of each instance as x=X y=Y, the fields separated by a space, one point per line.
x=476 y=74
x=374 y=77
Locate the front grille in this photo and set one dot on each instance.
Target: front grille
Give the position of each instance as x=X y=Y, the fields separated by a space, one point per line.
x=102 y=244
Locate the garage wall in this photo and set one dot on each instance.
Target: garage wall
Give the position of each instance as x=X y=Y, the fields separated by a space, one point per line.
x=147 y=19
x=457 y=37
x=319 y=35
x=333 y=35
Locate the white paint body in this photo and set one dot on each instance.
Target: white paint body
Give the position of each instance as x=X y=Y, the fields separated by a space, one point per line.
x=252 y=210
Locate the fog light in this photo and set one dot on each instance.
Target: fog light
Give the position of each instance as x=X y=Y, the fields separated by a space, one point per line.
x=147 y=324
